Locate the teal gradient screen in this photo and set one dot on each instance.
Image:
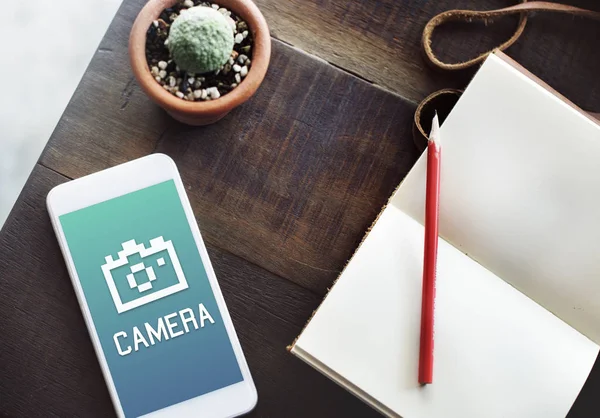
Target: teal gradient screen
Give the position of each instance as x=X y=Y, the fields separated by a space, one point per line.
x=150 y=299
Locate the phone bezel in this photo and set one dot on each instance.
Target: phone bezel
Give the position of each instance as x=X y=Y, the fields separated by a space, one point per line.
x=230 y=401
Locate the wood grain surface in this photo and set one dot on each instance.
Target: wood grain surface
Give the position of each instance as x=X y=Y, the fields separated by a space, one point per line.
x=380 y=41
x=292 y=181
x=283 y=188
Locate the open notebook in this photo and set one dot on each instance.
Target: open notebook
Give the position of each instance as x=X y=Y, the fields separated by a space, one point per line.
x=518 y=287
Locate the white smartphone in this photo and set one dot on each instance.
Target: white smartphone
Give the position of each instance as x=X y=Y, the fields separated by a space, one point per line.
x=149 y=295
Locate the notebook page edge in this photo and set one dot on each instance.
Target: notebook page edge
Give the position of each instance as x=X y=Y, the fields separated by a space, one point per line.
x=529 y=75
x=341 y=381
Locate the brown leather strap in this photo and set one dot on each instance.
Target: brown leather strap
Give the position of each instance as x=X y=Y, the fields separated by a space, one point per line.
x=442 y=101
x=522 y=9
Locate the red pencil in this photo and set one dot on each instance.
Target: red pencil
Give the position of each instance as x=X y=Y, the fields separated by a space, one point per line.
x=432 y=195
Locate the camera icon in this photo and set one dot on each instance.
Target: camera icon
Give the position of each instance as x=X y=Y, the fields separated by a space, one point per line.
x=147 y=266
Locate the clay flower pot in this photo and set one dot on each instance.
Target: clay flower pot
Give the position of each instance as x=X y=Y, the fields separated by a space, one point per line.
x=206 y=112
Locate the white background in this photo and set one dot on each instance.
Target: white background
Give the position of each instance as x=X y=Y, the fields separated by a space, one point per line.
x=48 y=45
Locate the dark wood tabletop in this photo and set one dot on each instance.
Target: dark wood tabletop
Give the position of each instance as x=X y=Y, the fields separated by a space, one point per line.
x=283 y=188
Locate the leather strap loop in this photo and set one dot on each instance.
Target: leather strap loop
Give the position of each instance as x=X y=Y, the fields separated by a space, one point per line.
x=522 y=9
x=442 y=101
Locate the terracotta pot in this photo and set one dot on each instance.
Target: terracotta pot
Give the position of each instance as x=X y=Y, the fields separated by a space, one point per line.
x=201 y=113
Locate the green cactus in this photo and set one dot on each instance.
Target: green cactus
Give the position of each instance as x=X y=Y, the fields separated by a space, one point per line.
x=200 y=40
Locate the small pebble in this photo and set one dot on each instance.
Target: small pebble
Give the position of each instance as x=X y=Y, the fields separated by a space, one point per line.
x=197 y=84
x=188 y=3
x=234 y=54
x=162 y=74
x=155 y=23
x=223 y=11
x=162 y=65
x=239 y=38
x=204 y=94
x=177 y=68
x=191 y=80
x=197 y=94
x=248 y=62
x=245 y=34
x=155 y=71
x=190 y=97
x=233 y=85
x=231 y=61
x=167 y=88
x=214 y=93
x=172 y=81
x=237 y=68
x=157 y=78
x=215 y=6
x=238 y=79
x=244 y=71
x=242 y=58
x=179 y=94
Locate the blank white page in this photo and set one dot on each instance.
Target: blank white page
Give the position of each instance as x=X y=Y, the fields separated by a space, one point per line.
x=520 y=191
x=497 y=353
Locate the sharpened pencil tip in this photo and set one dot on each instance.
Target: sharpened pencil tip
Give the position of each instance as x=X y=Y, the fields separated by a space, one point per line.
x=434 y=135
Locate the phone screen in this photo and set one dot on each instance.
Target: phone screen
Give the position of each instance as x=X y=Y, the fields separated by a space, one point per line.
x=150 y=299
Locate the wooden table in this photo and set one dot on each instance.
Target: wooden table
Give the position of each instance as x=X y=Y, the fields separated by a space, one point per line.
x=284 y=188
